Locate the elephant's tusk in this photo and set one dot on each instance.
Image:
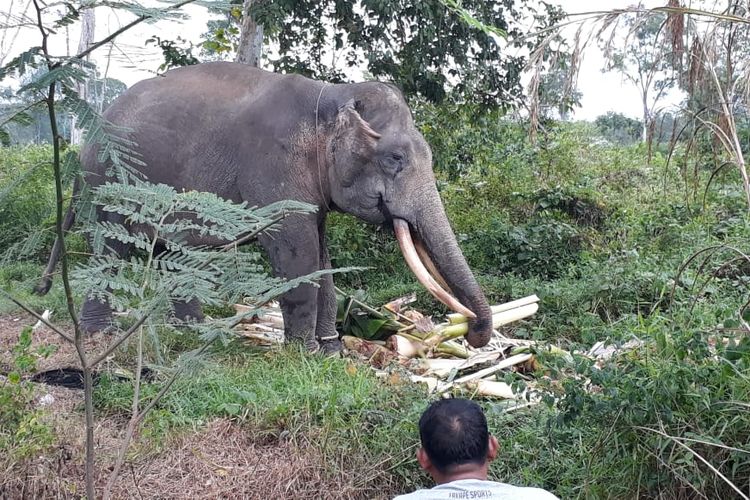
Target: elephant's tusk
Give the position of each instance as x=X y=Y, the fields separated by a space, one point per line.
x=403 y=235
x=424 y=256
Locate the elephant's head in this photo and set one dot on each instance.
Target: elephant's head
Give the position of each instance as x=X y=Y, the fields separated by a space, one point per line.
x=380 y=170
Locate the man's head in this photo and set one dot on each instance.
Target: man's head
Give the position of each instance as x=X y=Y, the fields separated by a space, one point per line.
x=455 y=440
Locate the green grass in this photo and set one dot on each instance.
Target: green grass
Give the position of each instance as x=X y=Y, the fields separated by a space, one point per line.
x=336 y=406
x=23 y=430
x=19 y=279
x=600 y=237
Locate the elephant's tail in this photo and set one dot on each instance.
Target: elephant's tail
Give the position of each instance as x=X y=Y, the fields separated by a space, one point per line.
x=70 y=216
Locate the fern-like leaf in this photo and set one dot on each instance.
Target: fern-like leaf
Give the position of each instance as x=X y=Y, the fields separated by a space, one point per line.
x=66 y=76
x=114 y=146
x=153 y=14
x=20 y=64
x=106 y=230
x=15 y=113
x=216 y=4
x=71 y=16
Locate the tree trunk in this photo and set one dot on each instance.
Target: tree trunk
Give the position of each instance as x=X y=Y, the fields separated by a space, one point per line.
x=88 y=27
x=251 y=38
x=646 y=118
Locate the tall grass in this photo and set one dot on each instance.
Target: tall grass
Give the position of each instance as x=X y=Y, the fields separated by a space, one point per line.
x=663 y=420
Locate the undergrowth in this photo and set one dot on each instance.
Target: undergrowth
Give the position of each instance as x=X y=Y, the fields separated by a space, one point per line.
x=600 y=236
x=337 y=406
x=23 y=430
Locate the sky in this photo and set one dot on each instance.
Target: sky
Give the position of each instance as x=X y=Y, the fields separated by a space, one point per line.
x=131 y=60
x=604 y=92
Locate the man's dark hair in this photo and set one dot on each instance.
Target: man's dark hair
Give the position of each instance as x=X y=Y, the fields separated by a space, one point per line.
x=454 y=432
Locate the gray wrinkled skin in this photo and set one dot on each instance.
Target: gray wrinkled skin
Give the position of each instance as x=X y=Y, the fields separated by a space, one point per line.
x=249 y=135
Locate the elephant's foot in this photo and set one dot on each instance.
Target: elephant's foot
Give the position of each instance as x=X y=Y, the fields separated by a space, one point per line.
x=331 y=347
x=189 y=311
x=95 y=316
x=306 y=339
x=330 y=343
x=44 y=286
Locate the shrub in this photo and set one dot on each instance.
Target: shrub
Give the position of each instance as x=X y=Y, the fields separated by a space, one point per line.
x=582 y=208
x=619 y=128
x=22 y=431
x=655 y=413
x=541 y=248
x=27 y=201
x=466 y=141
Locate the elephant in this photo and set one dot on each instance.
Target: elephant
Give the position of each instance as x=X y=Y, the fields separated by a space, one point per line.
x=250 y=135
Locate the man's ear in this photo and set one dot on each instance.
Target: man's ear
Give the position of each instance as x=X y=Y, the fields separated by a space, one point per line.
x=353 y=143
x=492 y=448
x=423 y=459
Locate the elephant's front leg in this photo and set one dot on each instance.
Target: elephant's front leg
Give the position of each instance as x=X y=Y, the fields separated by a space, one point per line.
x=293 y=252
x=325 y=329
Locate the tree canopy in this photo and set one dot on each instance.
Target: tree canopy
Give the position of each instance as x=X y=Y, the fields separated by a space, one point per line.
x=645 y=60
x=426 y=47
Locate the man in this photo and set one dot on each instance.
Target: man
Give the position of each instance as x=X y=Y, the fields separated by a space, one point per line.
x=456 y=451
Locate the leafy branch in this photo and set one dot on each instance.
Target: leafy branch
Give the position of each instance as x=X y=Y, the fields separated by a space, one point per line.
x=168 y=214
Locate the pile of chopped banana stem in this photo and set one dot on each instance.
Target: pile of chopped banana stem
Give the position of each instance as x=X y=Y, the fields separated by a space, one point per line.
x=439 y=340
x=263 y=327
x=435 y=355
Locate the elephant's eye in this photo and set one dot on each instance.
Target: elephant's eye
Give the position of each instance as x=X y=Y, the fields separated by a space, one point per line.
x=393 y=162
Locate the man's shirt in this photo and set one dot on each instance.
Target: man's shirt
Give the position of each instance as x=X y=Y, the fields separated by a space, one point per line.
x=478 y=489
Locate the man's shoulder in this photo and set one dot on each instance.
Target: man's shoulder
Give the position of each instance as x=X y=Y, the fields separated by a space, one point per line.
x=477 y=489
x=529 y=493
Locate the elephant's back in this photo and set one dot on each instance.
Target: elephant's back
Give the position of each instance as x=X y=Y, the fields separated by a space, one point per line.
x=194 y=125
x=194 y=97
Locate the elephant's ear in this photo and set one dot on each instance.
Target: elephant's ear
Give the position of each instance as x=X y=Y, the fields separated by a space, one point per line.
x=353 y=144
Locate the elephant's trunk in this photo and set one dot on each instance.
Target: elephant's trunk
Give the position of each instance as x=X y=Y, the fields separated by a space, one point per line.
x=442 y=256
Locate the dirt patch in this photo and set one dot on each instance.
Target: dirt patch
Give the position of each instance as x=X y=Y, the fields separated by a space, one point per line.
x=64 y=354
x=223 y=461
x=220 y=460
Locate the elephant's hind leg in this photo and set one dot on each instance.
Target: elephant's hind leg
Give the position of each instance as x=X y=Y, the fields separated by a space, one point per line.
x=96 y=315
x=184 y=311
x=187 y=311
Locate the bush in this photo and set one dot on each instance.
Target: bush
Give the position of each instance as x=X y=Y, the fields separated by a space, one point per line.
x=467 y=141
x=619 y=128
x=27 y=200
x=542 y=248
x=584 y=209
x=22 y=431
x=655 y=413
